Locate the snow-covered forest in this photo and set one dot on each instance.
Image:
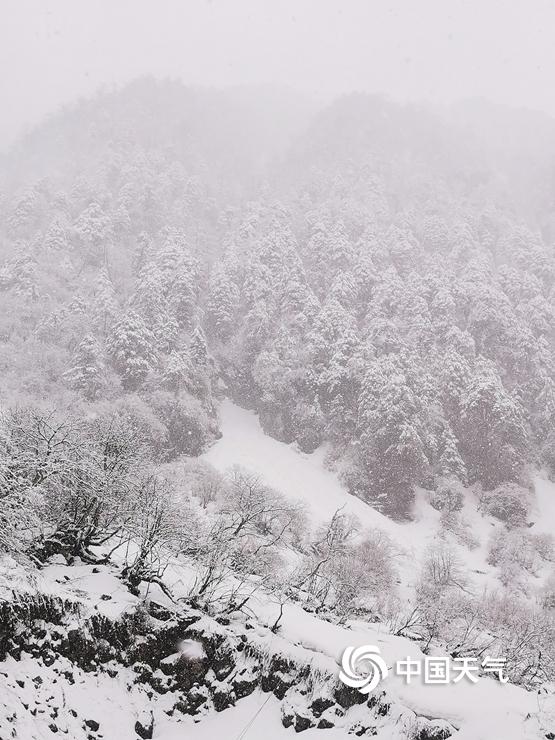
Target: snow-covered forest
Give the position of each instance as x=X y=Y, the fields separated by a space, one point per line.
x=277 y=377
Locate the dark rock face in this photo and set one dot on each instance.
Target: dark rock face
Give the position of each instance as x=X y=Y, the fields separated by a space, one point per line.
x=287 y=719
x=80 y=647
x=223 y=661
x=145 y=728
x=162 y=613
x=320 y=705
x=221 y=668
x=277 y=683
x=143 y=672
x=302 y=723
x=434 y=731
x=347 y=697
x=223 y=699
x=27 y=610
x=187 y=672
x=280 y=676
x=244 y=682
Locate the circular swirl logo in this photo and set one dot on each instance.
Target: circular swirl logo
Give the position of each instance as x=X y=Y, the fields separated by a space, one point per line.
x=363 y=668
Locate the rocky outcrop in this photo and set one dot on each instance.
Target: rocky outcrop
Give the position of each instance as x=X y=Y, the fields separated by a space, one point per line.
x=196 y=663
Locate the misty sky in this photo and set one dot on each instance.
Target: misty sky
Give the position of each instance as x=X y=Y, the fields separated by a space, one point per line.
x=53 y=51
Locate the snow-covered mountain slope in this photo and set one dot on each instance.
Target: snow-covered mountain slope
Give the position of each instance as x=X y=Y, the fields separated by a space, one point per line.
x=131 y=677
x=303 y=477
x=91 y=689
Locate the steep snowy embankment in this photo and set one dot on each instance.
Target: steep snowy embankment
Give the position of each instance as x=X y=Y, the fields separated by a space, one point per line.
x=303 y=477
x=84 y=688
x=43 y=690
x=510 y=710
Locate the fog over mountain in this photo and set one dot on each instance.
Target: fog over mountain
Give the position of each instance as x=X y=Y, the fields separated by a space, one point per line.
x=55 y=51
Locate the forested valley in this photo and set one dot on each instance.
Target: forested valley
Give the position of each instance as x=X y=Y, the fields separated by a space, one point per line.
x=375 y=281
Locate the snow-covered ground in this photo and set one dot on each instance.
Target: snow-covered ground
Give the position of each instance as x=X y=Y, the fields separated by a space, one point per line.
x=303 y=477
x=257 y=716
x=486 y=710
x=480 y=711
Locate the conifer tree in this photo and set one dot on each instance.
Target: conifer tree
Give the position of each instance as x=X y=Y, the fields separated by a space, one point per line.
x=177 y=372
x=450 y=462
x=105 y=304
x=223 y=299
x=85 y=373
x=130 y=347
x=56 y=237
x=93 y=228
x=492 y=429
x=198 y=349
x=391 y=428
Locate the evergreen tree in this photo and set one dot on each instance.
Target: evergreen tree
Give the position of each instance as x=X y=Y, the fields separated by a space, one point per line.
x=120 y=221
x=366 y=277
x=332 y=326
x=315 y=254
x=442 y=311
x=223 y=299
x=93 y=228
x=184 y=292
x=23 y=273
x=105 y=304
x=543 y=403
x=492 y=429
x=453 y=375
x=203 y=369
x=258 y=285
x=148 y=296
x=339 y=251
x=25 y=213
x=403 y=249
x=344 y=289
x=180 y=277
x=329 y=253
x=177 y=373
x=435 y=234
x=150 y=302
x=257 y=329
x=198 y=349
x=130 y=347
x=85 y=373
x=56 y=237
x=450 y=463
x=391 y=430
x=142 y=252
